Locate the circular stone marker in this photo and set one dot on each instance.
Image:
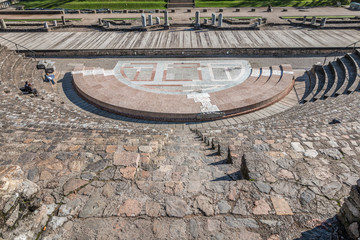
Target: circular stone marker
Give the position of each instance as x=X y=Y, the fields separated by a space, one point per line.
x=182 y=77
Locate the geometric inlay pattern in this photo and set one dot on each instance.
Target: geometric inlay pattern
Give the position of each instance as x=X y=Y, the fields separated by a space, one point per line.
x=182 y=77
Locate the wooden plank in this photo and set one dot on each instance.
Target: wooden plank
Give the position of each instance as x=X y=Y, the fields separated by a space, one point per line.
x=62 y=41
x=135 y=41
x=187 y=40
x=214 y=40
x=204 y=40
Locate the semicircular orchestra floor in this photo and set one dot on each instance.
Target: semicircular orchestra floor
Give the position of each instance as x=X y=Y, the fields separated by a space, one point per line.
x=189 y=90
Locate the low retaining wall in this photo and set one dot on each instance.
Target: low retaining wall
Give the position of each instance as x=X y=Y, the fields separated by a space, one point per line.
x=20 y=12
x=190 y=52
x=349 y=214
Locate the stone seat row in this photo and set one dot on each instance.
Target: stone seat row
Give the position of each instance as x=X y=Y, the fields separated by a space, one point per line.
x=261 y=89
x=338 y=77
x=15 y=69
x=303 y=120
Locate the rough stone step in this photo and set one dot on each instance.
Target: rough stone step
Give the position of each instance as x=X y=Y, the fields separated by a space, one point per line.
x=8 y=66
x=351 y=72
x=341 y=74
x=20 y=72
x=310 y=85
x=357 y=62
x=346 y=74
x=329 y=79
x=334 y=87
x=320 y=76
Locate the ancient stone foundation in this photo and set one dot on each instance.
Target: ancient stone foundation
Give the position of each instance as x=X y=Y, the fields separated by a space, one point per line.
x=350 y=212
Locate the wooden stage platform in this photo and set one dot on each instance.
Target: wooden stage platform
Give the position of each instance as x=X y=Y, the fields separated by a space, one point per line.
x=302 y=38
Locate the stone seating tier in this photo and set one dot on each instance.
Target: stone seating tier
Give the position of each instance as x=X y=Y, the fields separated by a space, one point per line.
x=338 y=77
x=306 y=136
x=258 y=91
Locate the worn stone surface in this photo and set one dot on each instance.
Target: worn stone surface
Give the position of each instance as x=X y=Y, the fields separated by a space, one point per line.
x=128 y=172
x=94 y=207
x=281 y=206
x=153 y=209
x=261 y=207
x=123 y=158
x=98 y=176
x=131 y=208
x=205 y=206
x=175 y=207
x=73 y=184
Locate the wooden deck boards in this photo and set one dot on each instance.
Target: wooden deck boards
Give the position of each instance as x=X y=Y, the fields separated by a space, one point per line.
x=182 y=39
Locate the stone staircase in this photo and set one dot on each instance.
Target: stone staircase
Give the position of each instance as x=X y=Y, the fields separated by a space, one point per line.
x=284 y=155
x=15 y=69
x=162 y=183
x=341 y=76
x=181 y=4
x=51 y=107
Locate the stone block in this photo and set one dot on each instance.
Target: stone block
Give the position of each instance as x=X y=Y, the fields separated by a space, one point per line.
x=297 y=147
x=353 y=230
x=281 y=206
x=145 y=149
x=50 y=67
x=152 y=209
x=204 y=204
x=111 y=148
x=94 y=207
x=128 y=172
x=261 y=207
x=175 y=207
x=351 y=212
x=72 y=185
x=130 y=208
x=355 y=196
x=41 y=64
x=2 y=24
x=126 y=159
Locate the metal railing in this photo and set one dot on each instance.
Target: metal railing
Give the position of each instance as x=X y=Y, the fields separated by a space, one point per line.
x=32 y=53
x=341 y=51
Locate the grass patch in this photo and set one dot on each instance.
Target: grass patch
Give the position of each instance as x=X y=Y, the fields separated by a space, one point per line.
x=309 y=17
x=161 y=4
x=41 y=20
x=260 y=3
x=95 y=4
